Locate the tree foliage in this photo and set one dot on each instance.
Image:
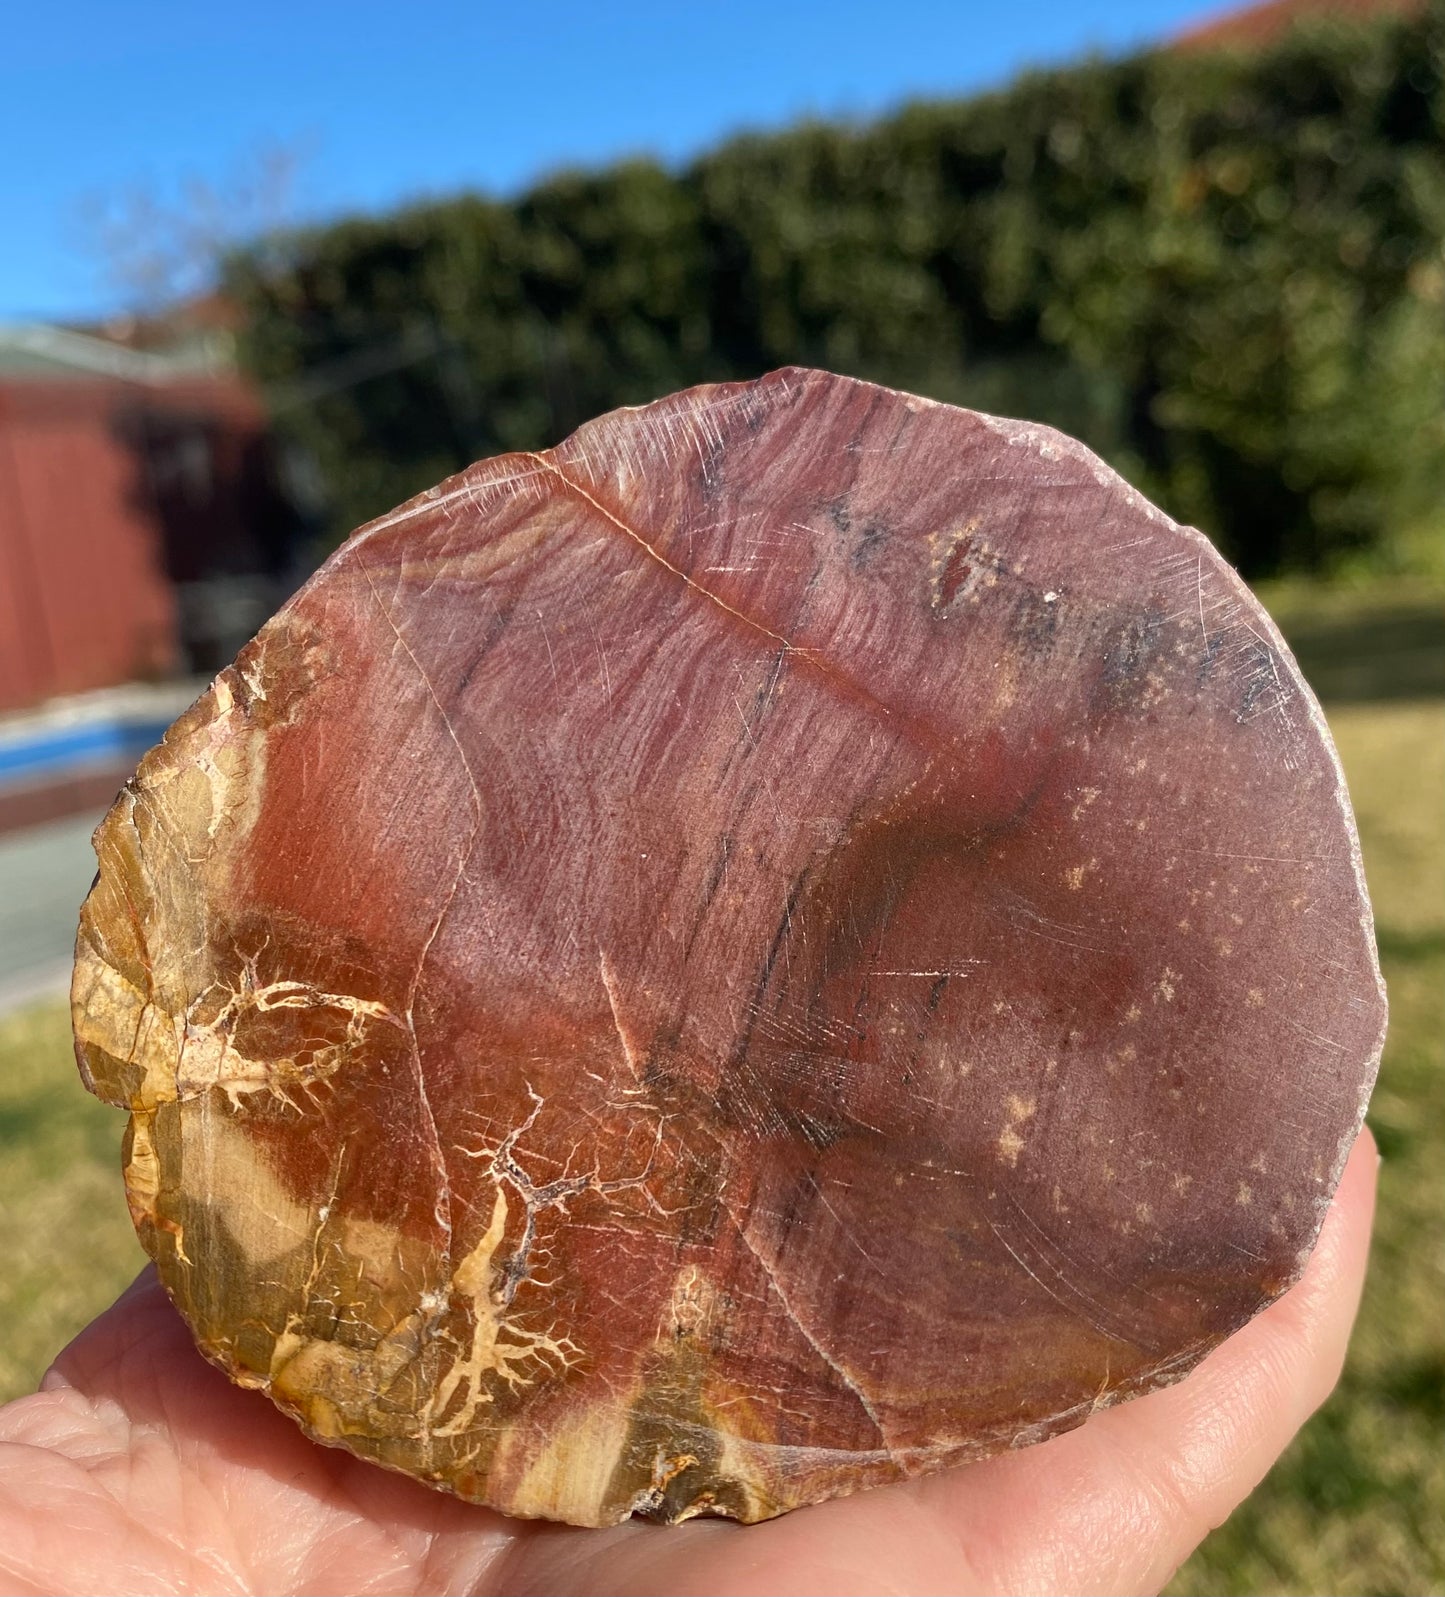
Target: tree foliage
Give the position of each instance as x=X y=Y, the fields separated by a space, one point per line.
x=1226 y=272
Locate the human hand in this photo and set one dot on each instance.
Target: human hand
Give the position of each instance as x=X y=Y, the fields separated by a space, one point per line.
x=138 y=1467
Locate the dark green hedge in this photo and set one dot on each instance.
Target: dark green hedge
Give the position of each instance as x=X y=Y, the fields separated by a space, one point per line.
x=1226 y=273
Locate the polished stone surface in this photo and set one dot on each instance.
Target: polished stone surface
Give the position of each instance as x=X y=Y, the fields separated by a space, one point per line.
x=798 y=938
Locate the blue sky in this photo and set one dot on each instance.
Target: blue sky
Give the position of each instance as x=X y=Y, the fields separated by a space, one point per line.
x=390 y=102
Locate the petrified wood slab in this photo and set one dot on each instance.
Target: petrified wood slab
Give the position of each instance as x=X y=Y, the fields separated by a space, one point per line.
x=802 y=936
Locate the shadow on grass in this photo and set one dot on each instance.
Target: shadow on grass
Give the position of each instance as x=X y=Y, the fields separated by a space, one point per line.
x=21 y=1123
x=1418 y=1387
x=1408 y=947
x=1327 y=1469
x=1392 y=653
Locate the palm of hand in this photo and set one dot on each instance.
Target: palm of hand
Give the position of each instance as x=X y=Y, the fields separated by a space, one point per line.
x=138 y=1467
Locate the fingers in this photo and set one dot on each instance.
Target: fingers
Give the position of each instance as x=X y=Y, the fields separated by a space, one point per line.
x=1117 y=1505
x=1111 y=1507
x=140 y=1315
x=140 y=1467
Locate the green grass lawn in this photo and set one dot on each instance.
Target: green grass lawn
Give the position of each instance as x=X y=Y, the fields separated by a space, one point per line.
x=71 y=1244
x=1358 y=1503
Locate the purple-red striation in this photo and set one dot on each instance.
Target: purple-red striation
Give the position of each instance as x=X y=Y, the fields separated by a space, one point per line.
x=798 y=938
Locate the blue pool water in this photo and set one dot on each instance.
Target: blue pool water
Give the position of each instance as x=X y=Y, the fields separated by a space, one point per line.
x=49 y=753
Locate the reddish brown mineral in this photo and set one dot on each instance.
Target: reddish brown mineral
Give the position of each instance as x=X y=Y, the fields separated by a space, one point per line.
x=798 y=938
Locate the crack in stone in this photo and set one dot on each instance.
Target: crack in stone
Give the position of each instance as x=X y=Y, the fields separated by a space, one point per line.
x=443 y=1208
x=656 y=554
x=844 y=1374
x=610 y=987
x=917 y=728
x=207 y=1057
x=475 y=1279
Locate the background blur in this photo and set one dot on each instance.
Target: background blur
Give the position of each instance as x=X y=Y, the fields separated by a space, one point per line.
x=270 y=272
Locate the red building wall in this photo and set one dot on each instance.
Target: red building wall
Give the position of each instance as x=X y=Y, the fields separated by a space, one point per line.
x=86 y=600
